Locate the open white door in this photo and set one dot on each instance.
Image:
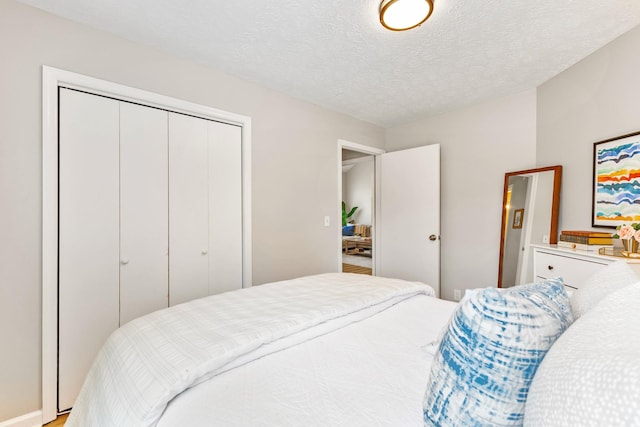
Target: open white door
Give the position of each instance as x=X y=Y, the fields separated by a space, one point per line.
x=408 y=206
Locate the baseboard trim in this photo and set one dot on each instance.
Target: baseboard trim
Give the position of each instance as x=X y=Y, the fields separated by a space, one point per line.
x=32 y=419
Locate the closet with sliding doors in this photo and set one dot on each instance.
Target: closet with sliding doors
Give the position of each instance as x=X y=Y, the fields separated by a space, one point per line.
x=150 y=216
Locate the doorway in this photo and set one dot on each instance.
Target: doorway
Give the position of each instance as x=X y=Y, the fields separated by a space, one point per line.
x=358 y=204
x=357 y=198
x=405 y=223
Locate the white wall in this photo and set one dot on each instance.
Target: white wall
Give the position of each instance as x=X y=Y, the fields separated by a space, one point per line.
x=479 y=144
x=358 y=189
x=294 y=168
x=596 y=99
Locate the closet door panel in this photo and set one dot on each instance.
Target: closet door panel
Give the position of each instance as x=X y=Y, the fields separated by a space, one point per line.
x=188 y=209
x=144 y=260
x=225 y=207
x=88 y=234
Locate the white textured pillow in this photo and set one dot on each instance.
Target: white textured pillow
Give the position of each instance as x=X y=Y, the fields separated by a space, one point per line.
x=490 y=351
x=609 y=279
x=591 y=375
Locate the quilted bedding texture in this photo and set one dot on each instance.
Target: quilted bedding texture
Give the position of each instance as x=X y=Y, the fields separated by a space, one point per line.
x=149 y=361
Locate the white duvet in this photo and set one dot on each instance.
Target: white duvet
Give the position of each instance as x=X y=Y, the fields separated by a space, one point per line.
x=153 y=359
x=369 y=373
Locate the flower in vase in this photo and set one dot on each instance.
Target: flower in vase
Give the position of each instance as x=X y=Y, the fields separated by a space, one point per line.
x=626 y=231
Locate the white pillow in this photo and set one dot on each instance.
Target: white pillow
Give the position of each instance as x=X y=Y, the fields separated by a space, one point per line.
x=609 y=279
x=490 y=351
x=591 y=375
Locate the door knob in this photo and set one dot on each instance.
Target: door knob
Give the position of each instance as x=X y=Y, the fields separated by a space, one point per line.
x=204 y=252
x=124 y=262
x=433 y=237
x=550 y=267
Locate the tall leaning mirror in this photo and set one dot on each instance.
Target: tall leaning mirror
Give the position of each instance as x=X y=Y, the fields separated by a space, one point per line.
x=530 y=207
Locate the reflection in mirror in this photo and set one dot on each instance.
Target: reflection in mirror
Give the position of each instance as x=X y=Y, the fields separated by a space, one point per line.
x=529 y=216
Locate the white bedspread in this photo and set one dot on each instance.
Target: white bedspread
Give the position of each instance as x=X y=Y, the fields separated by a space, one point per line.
x=152 y=359
x=371 y=373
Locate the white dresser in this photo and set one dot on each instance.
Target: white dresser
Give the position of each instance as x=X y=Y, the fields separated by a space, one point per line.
x=573 y=266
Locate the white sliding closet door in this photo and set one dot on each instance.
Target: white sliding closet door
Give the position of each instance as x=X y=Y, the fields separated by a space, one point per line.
x=150 y=214
x=88 y=234
x=188 y=208
x=143 y=211
x=205 y=207
x=225 y=207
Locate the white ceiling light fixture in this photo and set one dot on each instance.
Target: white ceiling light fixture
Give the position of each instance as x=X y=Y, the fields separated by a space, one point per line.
x=401 y=15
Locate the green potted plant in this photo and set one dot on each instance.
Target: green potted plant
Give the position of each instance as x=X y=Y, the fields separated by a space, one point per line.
x=347 y=230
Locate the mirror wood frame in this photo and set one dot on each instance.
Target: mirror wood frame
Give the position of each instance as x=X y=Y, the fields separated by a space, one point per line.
x=555 y=208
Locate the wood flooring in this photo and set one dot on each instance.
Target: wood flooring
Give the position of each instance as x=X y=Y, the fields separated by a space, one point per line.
x=58 y=422
x=349 y=268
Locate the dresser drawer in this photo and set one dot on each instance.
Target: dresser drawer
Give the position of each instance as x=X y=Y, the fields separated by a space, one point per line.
x=574 y=271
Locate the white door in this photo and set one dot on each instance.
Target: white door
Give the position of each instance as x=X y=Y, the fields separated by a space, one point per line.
x=205 y=208
x=225 y=207
x=408 y=215
x=143 y=211
x=101 y=167
x=188 y=208
x=88 y=235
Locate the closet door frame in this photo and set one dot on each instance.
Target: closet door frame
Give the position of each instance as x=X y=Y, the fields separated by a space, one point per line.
x=52 y=79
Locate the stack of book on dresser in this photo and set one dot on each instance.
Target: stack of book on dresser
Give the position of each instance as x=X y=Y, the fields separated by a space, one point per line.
x=585 y=240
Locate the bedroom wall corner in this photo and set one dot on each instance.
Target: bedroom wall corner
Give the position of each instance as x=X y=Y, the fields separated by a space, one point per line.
x=596 y=99
x=479 y=144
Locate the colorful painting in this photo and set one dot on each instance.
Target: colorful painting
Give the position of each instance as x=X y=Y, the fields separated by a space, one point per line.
x=616 y=181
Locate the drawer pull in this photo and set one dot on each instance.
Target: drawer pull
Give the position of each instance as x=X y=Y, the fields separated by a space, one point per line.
x=550 y=267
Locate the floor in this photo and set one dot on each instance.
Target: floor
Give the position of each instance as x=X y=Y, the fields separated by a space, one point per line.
x=348 y=268
x=356 y=264
x=58 y=422
x=359 y=260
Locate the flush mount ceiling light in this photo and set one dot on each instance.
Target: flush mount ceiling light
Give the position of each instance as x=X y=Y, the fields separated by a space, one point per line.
x=401 y=15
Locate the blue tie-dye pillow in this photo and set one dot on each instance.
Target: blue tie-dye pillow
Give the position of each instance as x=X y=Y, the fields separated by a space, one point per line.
x=488 y=356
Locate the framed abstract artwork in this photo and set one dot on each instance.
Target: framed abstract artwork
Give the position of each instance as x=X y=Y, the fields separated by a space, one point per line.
x=616 y=181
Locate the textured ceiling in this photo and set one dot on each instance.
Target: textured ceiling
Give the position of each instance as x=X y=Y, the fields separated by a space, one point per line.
x=335 y=53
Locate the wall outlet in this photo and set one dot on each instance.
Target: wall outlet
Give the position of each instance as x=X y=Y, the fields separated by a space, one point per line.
x=457 y=294
x=545 y=239
x=327 y=221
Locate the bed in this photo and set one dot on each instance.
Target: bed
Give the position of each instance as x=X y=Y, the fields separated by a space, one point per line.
x=327 y=350
x=278 y=354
